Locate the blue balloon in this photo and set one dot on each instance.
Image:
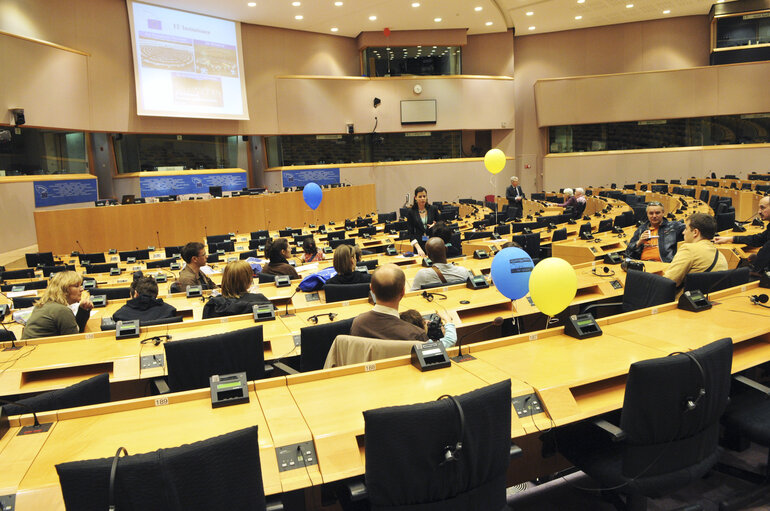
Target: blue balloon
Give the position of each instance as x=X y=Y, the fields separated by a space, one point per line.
x=313 y=195
x=510 y=272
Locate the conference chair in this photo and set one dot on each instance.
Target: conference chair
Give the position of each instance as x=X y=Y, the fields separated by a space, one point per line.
x=100 y=268
x=34 y=284
x=22 y=302
x=350 y=349
x=559 y=235
x=725 y=221
x=87 y=392
x=708 y=282
x=579 y=209
x=48 y=270
x=172 y=251
x=316 y=341
x=227 y=246
x=93 y=258
x=110 y=325
x=642 y=290
x=530 y=243
x=217 y=238
x=255 y=235
x=386 y=217
x=747 y=419
x=213 y=258
x=139 y=255
x=668 y=427
x=191 y=362
x=248 y=253
x=26 y=273
x=459 y=465
x=112 y=293
x=39 y=259
x=503 y=229
x=222 y=472
x=160 y=263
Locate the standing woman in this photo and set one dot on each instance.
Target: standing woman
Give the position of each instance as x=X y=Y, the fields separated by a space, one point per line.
x=52 y=314
x=420 y=220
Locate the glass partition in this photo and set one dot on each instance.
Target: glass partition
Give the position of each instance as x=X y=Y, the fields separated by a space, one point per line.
x=35 y=151
x=412 y=60
x=144 y=152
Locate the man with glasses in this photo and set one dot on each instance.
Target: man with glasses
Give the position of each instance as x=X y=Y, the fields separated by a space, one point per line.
x=760 y=261
x=383 y=321
x=655 y=239
x=194 y=255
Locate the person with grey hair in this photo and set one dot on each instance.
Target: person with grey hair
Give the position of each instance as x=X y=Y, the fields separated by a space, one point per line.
x=515 y=196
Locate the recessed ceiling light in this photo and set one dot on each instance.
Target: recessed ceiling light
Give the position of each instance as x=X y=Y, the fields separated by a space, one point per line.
x=372 y=18
x=477 y=8
x=581 y=1
x=530 y=13
x=252 y=4
x=628 y=6
x=667 y=11
x=415 y=4
x=437 y=20
x=296 y=4
x=578 y=17
x=532 y=27
x=335 y=29
x=488 y=23
x=298 y=17
x=338 y=4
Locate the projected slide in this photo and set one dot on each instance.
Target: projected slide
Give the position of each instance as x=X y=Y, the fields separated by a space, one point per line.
x=186 y=65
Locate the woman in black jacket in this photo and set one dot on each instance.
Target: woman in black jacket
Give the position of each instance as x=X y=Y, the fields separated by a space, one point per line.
x=420 y=220
x=235 y=298
x=345 y=264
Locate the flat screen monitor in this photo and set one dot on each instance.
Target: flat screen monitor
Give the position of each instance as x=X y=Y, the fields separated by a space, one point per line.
x=215 y=191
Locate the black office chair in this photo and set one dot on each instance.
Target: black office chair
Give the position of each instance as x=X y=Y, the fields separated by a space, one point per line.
x=222 y=472
x=145 y=322
x=247 y=254
x=139 y=255
x=669 y=426
x=217 y=238
x=316 y=341
x=642 y=290
x=26 y=273
x=170 y=251
x=87 y=392
x=530 y=243
x=708 y=282
x=48 y=270
x=39 y=259
x=160 y=263
x=100 y=268
x=579 y=210
x=34 y=284
x=460 y=465
x=369 y=263
x=112 y=293
x=92 y=258
x=343 y=292
x=191 y=362
x=559 y=234
x=747 y=419
x=386 y=217
x=22 y=302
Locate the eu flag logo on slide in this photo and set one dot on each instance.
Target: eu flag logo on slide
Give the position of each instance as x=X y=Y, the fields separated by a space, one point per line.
x=154 y=24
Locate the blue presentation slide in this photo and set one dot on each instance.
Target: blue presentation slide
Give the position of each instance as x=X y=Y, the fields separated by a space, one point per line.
x=302 y=177
x=155 y=186
x=65 y=191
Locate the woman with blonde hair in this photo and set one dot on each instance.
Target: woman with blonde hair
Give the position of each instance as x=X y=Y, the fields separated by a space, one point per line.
x=236 y=297
x=52 y=314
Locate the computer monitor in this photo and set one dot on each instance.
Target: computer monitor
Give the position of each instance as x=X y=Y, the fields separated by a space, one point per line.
x=127 y=199
x=215 y=191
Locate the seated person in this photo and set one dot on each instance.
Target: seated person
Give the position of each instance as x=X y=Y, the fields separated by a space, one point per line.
x=383 y=322
x=278 y=252
x=345 y=265
x=443 y=231
x=760 y=261
x=53 y=315
x=311 y=252
x=450 y=333
x=144 y=303
x=237 y=296
x=655 y=239
x=441 y=271
x=194 y=255
x=697 y=253
x=511 y=244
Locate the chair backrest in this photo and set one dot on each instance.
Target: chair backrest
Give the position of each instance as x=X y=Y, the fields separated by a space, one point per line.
x=227 y=246
x=139 y=255
x=26 y=273
x=315 y=342
x=39 y=259
x=48 y=270
x=192 y=361
x=247 y=254
x=559 y=234
x=386 y=217
x=112 y=293
x=87 y=392
x=217 y=238
x=530 y=243
x=34 y=284
x=334 y=243
x=579 y=209
x=22 y=302
x=265 y=278
x=170 y=251
x=647 y=290
x=350 y=349
x=160 y=263
x=100 y=268
x=664 y=434
x=725 y=220
x=93 y=258
x=708 y=282
x=342 y=292
x=260 y=234
x=223 y=472
x=405 y=446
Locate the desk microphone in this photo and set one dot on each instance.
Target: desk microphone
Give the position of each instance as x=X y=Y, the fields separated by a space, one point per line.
x=748 y=220
x=8 y=336
x=463 y=358
x=81 y=247
x=206 y=233
x=286 y=312
x=157 y=236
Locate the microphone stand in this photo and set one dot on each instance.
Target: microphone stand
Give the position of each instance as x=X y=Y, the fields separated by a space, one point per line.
x=464 y=358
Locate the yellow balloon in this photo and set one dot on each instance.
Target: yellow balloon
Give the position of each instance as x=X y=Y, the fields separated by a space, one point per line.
x=552 y=285
x=494 y=160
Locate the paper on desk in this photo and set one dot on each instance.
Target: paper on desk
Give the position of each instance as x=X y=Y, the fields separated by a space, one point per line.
x=208 y=270
x=16 y=294
x=306 y=267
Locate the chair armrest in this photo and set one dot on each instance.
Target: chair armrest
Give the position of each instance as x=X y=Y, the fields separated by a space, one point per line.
x=274 y=505
x=617 y=434
x=752 y=384
x=161 y=385
x=357 y=490
x=285 y=368
x=516 y=451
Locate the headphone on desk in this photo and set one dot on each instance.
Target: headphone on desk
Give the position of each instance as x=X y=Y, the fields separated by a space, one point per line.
x=690 y=403
x=607 y=272
x=452 y=452
x=760 y=300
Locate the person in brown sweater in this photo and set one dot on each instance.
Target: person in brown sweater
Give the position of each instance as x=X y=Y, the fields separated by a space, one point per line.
x=278 y=252
x=383 y=321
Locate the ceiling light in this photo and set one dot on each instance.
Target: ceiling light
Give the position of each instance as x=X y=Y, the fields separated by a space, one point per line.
x=530 y=13
x=437 y=20
x=335 y=29
x=488 y=23
x=338 y=4
x=296 y=4
x=478 y=8
x=298 y=17
x=578 y=17
x=532 y=27
x=581 y=1
x=415 y=4
x=628 y=6
x=372 y=18
x=252 y=4
x=667 y=11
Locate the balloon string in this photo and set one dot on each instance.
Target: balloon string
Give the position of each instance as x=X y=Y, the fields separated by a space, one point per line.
x=547 y=322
